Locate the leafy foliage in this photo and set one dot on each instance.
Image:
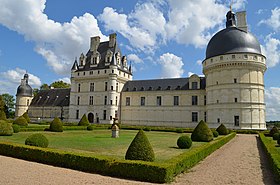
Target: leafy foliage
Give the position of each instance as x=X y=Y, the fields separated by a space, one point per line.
x=184 y=142
x=202 y=132
x=37 y=140
x=179 y=130
x=276 y=136
x=90 y=127
x=140 y=148
x=273 y=131
x=60 y=84
x=222 y=130
x=2 y=109
x=6 y=128
x=215 y=133
x=25 y=115
x=9 y=101
x=56 y=125
x=84 y=121
x=16 y=128
x=21 y=121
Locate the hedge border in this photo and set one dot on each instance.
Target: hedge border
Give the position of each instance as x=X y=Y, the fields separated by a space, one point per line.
x=137 y=170
x=273 y=155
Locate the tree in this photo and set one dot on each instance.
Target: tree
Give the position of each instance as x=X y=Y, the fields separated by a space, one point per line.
x=60 y=84
x=2 y=109
x=35 y=91
x=9 y=107
x=44 y=87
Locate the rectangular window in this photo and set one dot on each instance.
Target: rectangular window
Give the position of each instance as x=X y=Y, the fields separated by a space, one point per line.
x=111 y=102
x=116 y=113
x=117 y=87
x=158 y=100
x=91 y=100
x=194 y=100
x=78 y=100
x=205 y=116
x=235 y=80
x=205 y=100
x=221 y=58
x=79 y=87
x=218 y=120
x=127 y=101
x=194 y=85
x=77 y=114
x=142 y=103
x=105 y=100
x=112 y=88
x=106 y=86
x=175 y=100
x=194 y=116
x=233 y=56
x=236 y=120
x=116 y=100
x=91 y=87
x=104 y=115
x=235 y=100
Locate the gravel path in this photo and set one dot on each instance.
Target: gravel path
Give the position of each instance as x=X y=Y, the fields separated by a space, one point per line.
x=239 y=162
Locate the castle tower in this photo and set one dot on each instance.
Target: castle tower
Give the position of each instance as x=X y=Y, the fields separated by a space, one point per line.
x=24 y=96
x=234 y=68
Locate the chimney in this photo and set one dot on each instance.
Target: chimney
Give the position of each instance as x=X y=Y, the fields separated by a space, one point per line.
x=94 y=43
x=112 y=40
x=242 y=21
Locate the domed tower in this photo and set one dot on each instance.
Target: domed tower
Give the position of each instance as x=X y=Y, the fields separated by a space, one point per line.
x=234 y=69
x=24 y=96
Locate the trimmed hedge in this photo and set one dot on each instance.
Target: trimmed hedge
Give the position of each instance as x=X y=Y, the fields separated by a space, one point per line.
x=25 y=115
x=16 y=128
x=84 y=121
x=215 y=133
x=202 y=132
x=38 y=140
x=90 y=127
x=184 y=142
x=21 y=121
x=273 y=131
x=6 y=128
x=272 y=153
x=222 y=130
x=56 y=125
x=137 y=170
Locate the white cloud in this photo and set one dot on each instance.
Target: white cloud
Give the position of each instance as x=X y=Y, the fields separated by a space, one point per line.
x=199 y=62
x=134 y=58
x=58 y=43
x=171 y=66
x=11 y=79
x=272 y=97
x=271 y=49
x=190 y=74
x=274 y=20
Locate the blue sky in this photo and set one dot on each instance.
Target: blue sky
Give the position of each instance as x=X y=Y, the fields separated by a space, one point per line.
x=162 y=38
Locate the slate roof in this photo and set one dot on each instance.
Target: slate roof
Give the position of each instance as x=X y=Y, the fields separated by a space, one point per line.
x=161 y=84
x=52 y=97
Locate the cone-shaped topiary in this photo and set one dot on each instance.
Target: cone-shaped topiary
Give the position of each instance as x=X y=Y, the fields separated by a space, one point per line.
x=6 y=128
x=184 y=142
x=16 y=128
x=56 y=125
x=21 y=121
x=202 y=132
x=273 y=131
x=37 y=140
x=84 y=121
x=25 y=115
x=222 y=130
x=140 y=148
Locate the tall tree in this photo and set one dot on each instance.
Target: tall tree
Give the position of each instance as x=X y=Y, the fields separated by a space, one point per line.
x=2 y=109
x=44 y=87
x=60 y=84
x=9 y=107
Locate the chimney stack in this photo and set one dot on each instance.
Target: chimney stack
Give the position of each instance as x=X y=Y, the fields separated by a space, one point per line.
x=112 y=40
x=94 y=43
x=242 y=21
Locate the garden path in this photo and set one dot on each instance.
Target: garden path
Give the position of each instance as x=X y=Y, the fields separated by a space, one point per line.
x=241 y=161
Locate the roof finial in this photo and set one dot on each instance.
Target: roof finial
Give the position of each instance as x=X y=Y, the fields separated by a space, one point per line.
x=231 y=2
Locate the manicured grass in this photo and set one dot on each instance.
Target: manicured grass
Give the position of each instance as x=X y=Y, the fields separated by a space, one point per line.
x=101 y=143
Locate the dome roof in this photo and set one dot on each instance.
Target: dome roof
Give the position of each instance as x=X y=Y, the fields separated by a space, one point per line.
x=232 y=40
x=24 y=90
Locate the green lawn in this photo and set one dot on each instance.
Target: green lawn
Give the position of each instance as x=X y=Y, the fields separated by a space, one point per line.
x=101 y=143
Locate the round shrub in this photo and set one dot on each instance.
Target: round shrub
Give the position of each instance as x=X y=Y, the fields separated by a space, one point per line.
x=276 y=136
x=215 y=133
x=6 y=128
x=25 y=115
x=140 y=148
x=179 y=130
x=37 y=140
x=90 y=127
x=16 y=128
x=202 y=132
x=56 y=125
x=273 y=131
x=84 y=121
x=184 y=142
x=222 y=130
x=21 y=121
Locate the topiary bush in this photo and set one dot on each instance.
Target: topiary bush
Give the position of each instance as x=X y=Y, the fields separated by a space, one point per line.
x=6 y=128
x=202 y=132
x=84 y=121
x=90 y=127
x=140 y=148
x=56 y=125
x=215 y=133
x=276 y=136
x=222 y=130
x=25 y=115
x=21 y=121
x=16 y=128
x=184 y=142
x=273 y=131
x=37 y=140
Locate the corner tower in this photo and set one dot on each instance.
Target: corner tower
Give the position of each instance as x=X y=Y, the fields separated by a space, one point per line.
x=234 y=68
x=24 y=96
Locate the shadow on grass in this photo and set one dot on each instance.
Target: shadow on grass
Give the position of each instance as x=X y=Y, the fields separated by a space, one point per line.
x=268 y=176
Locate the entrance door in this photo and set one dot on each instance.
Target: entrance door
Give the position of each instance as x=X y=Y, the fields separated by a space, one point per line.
x=236 y=120
x=91 y=117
